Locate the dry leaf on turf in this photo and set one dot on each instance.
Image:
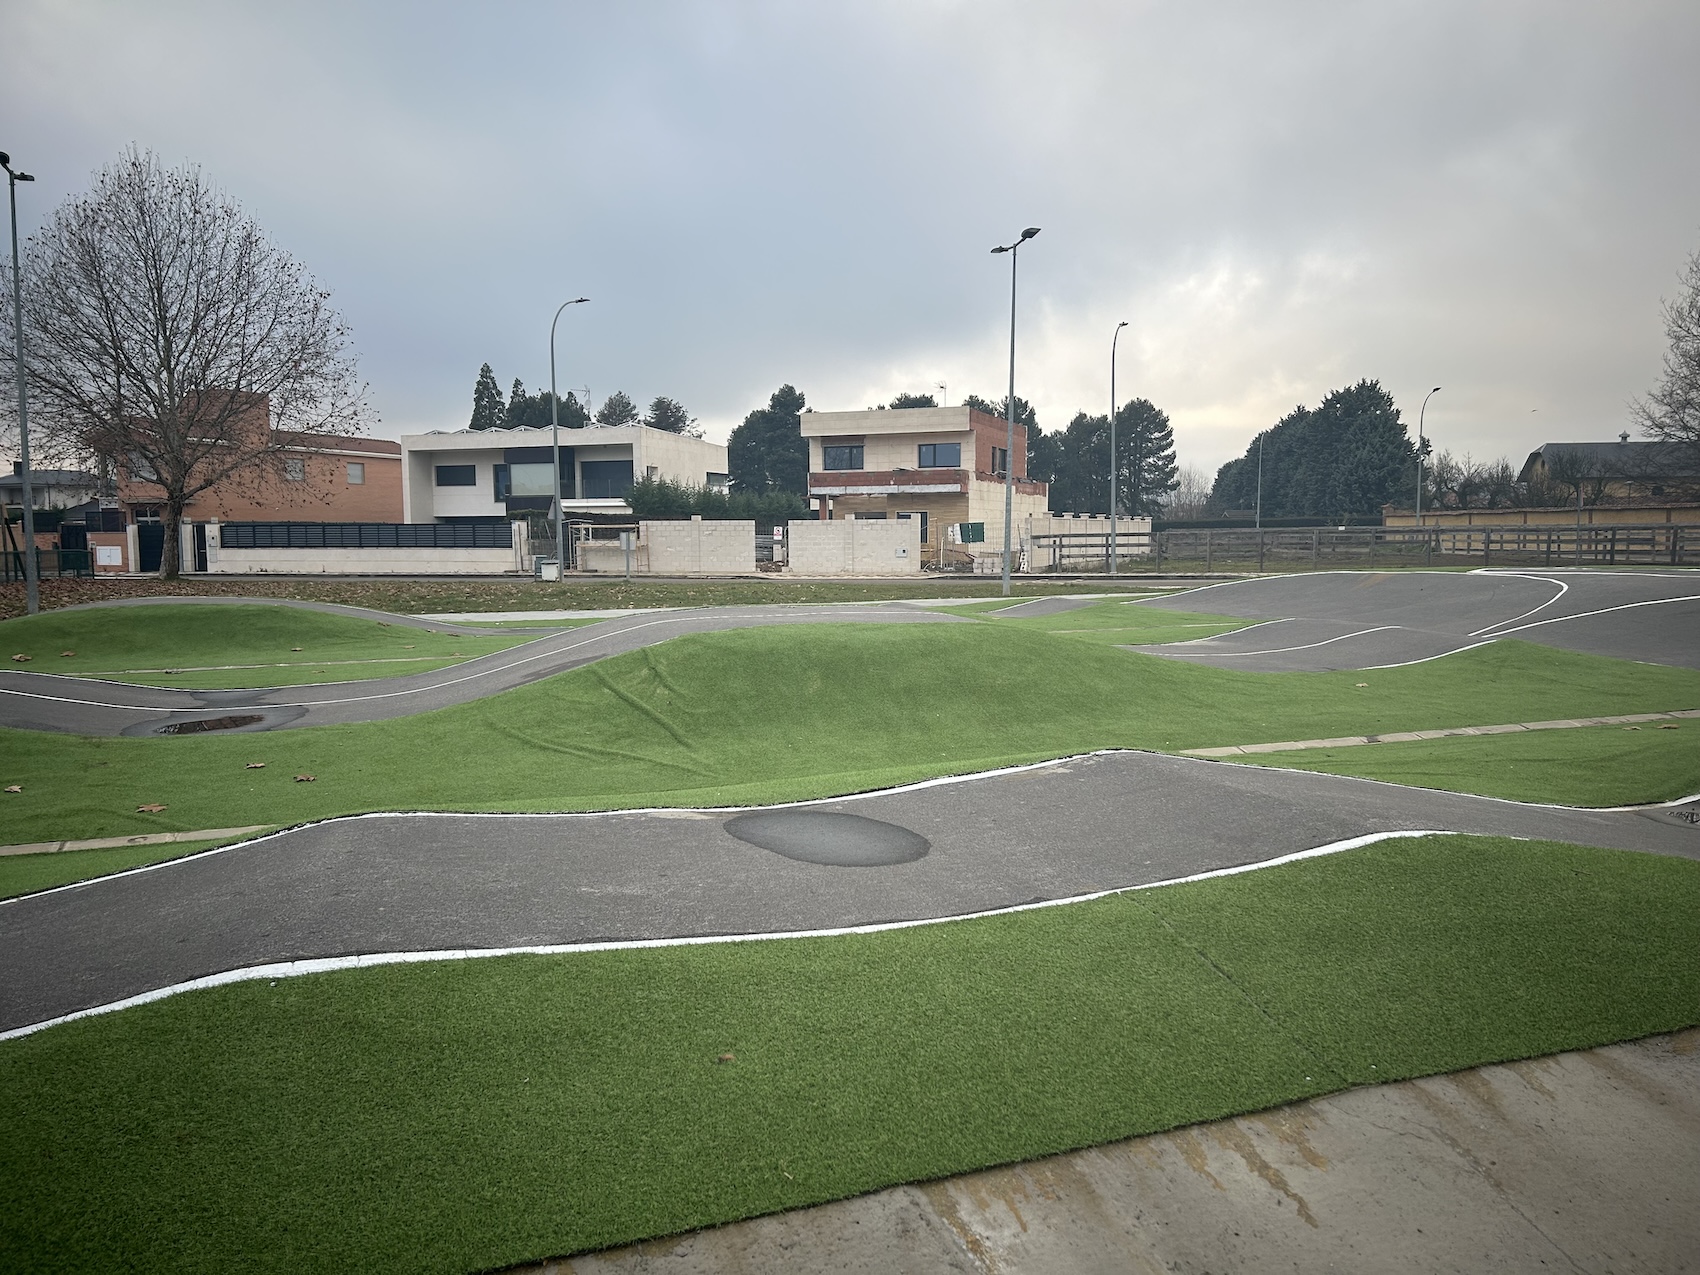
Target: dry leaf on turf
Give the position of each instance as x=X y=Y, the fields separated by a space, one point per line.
x=20 y=659
x=295 y=648
x=1361 y=685
x=64 y=655
x=1668 y=726
x=152 y=808
x=305 y=779
x=726 y=1058
x=255 y=765
x=14 y=787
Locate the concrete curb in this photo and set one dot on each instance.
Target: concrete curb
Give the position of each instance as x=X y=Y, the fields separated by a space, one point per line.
x=1410 y=736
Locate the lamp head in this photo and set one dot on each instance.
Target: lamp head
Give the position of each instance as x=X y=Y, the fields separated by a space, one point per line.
x=1121 y=325
x=997 y=250
x=1029 y=233
x=580 y=300
x=1435 y=390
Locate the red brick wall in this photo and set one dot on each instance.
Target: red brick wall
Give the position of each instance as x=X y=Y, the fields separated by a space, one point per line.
x=990 y=432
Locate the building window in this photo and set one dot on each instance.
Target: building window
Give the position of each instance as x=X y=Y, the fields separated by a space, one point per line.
x=922 y=515
x=941 y=455
x=140 y=470
x=607 y=479
x=842 y=456
x=457 y=475
x=504 y=481
x=295 y=469
x=1000 y=460
x=356 y=473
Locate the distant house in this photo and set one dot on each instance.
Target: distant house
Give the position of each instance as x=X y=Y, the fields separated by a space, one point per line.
x=1623 y=471
x=305 y=478
x=49 y=488
x=941 y=465
x=497 y=475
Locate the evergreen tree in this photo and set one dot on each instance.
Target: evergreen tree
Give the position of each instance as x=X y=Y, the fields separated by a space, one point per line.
x=518 y=403
x=768 y=452
x=533 y=411
x=670 y=415
x=617 y=409
x=487 y=412
x=1145 y=446
x=913 y=400
x=1343 y=460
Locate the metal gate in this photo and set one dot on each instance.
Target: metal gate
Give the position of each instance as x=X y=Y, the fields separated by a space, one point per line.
x=150 y=545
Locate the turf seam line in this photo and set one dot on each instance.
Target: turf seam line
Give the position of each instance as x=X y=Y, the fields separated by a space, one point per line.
x=368 y=960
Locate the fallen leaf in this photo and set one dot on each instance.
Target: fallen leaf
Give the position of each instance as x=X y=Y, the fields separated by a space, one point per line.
x=152 y=808
x=383 y=624
x=65 y=655
x=255 y=765
x=14 y=787
x=20 y=659
x=295 y=648
x=1631 y=728
x=408 y=647
x=305 y=779
x=726 y=1058
x=456 y=653
x=1668 y=726
x=1363 y=684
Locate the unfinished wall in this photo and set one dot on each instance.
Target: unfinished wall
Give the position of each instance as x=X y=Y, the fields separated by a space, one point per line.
x=854 y=547
x=700 y=547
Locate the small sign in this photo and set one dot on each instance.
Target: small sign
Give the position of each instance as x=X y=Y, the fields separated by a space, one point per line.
x=973 y=533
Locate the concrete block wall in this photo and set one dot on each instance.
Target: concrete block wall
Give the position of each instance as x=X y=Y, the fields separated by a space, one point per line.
x=700 y=547
x=854 y=547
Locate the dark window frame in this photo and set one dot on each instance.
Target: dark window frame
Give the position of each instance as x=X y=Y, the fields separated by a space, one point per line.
x=927 y=456
x=842 y=456
x=455 y=476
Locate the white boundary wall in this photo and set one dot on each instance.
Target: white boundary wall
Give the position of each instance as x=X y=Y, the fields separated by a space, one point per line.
x=854 y=547
x=699 y=546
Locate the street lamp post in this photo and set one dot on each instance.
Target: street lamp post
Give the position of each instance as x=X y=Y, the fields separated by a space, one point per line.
x=1420 y=415
x=1009 y=433
x=1117 y=337
x=555 y=440
x=1259 y=515
x=32 y=573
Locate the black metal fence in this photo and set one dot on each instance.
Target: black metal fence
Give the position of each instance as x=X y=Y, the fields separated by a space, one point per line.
x=366 y=535
x=1317 y=548
x=49 y=563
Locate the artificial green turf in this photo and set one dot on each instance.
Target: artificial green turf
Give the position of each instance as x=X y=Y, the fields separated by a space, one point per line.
x=27 y=873
x=132 y=644
x=762 y=715
x=1115 y=623
x=466 y=1116
x=1586 y=766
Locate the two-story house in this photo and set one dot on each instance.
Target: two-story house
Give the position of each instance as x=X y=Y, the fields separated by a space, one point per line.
x=942 y=465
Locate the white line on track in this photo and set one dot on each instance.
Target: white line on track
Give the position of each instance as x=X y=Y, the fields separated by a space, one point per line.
x=1457 y=650
x=1563 y=589
x=1583 y=615
x=328 y=964
x=1281 y=650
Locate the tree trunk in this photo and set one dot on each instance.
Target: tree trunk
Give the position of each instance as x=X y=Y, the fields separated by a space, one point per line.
x=171 y=552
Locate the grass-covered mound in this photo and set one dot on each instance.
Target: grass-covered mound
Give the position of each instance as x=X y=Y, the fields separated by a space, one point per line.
x=465 y=1116
x=231 y=646
x=763 y=715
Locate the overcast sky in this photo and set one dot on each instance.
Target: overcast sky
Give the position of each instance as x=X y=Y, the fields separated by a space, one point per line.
x=1281 y=199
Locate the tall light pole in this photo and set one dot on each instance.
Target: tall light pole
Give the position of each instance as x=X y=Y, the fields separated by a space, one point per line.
x=1259 y=516
x=555 y=439
x=1420 y=415
x=1113 y=340
x=1009 y=434
x=32 y=575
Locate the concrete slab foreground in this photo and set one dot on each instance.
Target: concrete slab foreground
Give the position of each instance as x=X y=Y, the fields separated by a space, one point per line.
x=1586 y=1161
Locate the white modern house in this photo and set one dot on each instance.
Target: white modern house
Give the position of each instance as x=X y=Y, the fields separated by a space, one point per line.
x=498 y=475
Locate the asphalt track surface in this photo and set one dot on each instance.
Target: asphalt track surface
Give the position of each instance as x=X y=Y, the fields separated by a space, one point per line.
x=1362 y=619
x=411 y=883
x=86 y=706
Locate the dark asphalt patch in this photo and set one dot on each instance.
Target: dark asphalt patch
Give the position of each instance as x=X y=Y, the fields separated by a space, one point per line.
x=828 y=838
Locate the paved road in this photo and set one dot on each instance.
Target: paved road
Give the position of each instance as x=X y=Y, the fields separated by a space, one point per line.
x=1363 y=619
x=418 y=882
x=81 y=706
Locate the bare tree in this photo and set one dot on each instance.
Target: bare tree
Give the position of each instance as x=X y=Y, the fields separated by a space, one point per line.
x=1191 y=495
x=1672 y=412
x=161 y=320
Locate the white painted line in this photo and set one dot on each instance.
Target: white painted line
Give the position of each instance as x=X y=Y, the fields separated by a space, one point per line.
x=1563 y=589
x=1457 y=650
x=323 y=965
x=1583 y=615
x=1281 y=650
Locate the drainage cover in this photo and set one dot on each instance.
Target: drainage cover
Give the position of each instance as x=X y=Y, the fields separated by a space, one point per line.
x=210 y=723
x=826 y=837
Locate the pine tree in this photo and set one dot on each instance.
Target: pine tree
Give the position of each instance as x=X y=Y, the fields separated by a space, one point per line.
x=1145 y=443
x=617 y=409
x=670 y=415
x=768 y=452
x=517 y=403
x=487 y=410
